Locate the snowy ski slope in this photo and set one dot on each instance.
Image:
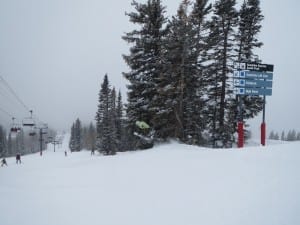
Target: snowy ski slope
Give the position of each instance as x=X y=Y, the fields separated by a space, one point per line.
x=172 y=184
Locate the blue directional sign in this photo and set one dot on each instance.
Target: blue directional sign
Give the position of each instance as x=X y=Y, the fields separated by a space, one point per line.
x=236 y=74
x=253 y=75
x=252 y=91
x=252 y=78
x=254 y=67
x=256 y=75
x=252 y=83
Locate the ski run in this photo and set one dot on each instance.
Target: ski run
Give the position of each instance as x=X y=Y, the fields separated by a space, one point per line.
x=171 y=184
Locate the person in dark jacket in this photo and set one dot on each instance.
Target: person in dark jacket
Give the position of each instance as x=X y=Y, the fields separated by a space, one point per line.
x=18 y=158
x=3 y=162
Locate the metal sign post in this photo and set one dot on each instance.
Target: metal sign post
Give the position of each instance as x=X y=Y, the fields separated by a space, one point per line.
x=240 y=123
x=240 y=129
x=263 y=125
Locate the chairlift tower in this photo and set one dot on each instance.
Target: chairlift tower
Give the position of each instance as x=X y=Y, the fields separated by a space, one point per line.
x=42 y=131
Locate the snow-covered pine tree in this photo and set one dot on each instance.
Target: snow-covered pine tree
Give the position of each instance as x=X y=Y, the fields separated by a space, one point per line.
x=78 y=135
x=93 y=136
x=291 y=136
x=102 y=113
x=72 y=138
x=272 y=135
x=179 y=87
x=282 y=137
x=168 y=122
x=119 y=123
x=105 y=120
x=221 y=42
x=84 y=134
x=298 y=136
x=250 y=18
x=276 y=136
x=20 y=145
x=114 y=141
x=90 y=137
x=144 y=62
x=195 y=118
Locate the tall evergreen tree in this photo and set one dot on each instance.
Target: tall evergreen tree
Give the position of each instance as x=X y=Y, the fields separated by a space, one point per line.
x=144 y=62
x=298 y=136
x=114 y=141
x=181 y=84
x=276 y=137
x=20 y=145
x=250 y=18
x=92 y=134
x=105 y=120
x=102 y=114
x=72 y=142
x=173 y=84
x=291 y=136
x=78 y=135
x=119 y=123
x=195 y=118
x=85 y=134
x=272 y=135
x=282 y=138
x=223 y=26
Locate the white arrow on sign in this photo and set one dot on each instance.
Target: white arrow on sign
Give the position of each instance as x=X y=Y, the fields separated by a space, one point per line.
x=238 y=82
x=236 y=74
x=239 y=74
x=239 y=91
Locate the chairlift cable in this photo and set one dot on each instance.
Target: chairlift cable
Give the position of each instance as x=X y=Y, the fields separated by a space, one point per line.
x=13 y=93
x=18 y=99
x=5 y=112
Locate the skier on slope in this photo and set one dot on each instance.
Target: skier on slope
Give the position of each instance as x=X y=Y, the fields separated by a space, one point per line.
x=3 y=162
x=93 y=151
x=144 y=135
x=18 y=158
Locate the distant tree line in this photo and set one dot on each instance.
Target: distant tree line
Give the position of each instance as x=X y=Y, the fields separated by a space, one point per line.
x=107 y=136
x=180 y=71
x=291 y=135
x=82 y=137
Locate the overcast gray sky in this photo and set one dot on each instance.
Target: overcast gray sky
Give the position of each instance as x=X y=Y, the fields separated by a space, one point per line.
x=54 y=54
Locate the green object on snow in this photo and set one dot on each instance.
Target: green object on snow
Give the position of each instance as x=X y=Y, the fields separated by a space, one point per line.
x=142 y=125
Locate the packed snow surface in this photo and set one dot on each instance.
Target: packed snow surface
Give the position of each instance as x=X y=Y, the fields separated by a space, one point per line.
x=172 y=184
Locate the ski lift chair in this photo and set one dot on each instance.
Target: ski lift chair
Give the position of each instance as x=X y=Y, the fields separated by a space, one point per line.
x=32 y=133
x=14 y=130
x=14 y=127
x=29 y=121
